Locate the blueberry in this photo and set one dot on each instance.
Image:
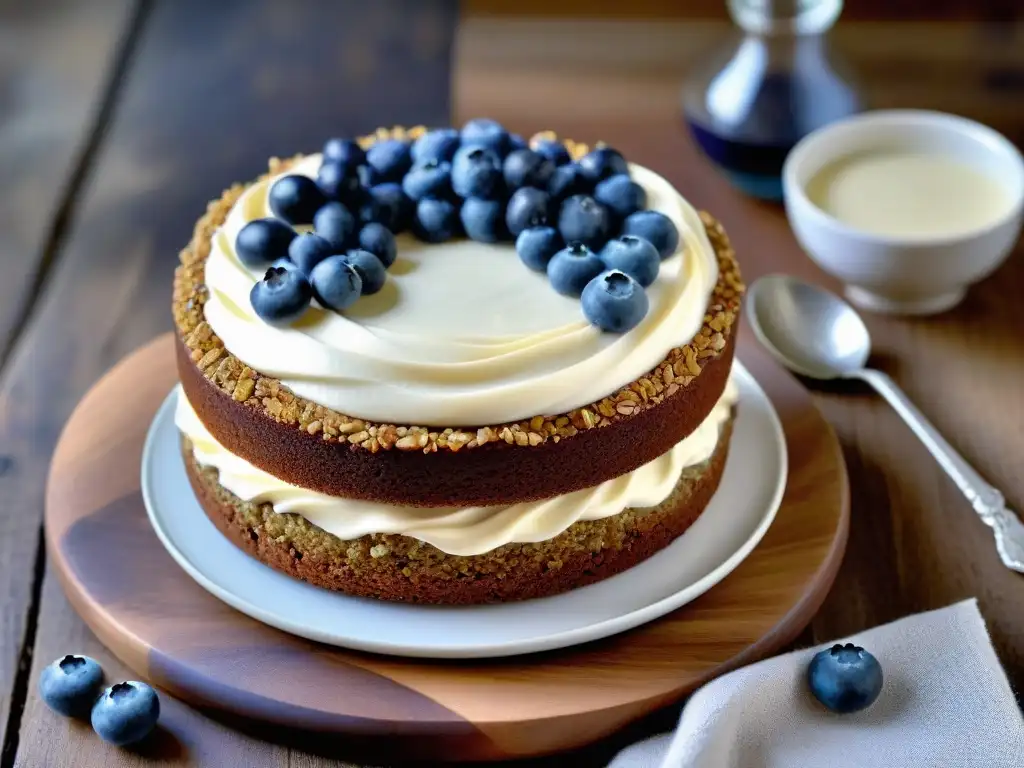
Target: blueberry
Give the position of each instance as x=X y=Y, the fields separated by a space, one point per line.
x=603 y=162
x=537 y=245
x=344 y=152
x=69 y=685
x=572 y=268
x=336 y=283
x=634 y=256
x=476 y=172
x=435 y=220
x=568 y=180
x=432 y=178
x=439 y=144
x=368 y=177
x=526 y=168
x=262 y=241
x=614 y=301
x=390 y=159
x=583 y=218
x=484 y=132
x=378 y=240
x=656 y=227
x=515 y=141
x=387 y=205
x=336 y=225
x=308 y=250
x=337 y=182
x=845 y=678
x=621 y=195
x=369 y=268
x=295 y=199
x=528 y=207
x=285 y=263
x=554 y=151
x=125 y=713
x=483 y=220
x=281 y=297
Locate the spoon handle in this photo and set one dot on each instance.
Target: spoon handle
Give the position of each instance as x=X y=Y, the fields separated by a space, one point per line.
x=987 y=501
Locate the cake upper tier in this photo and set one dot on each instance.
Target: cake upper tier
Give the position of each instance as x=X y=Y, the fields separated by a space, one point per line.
x=463 y=333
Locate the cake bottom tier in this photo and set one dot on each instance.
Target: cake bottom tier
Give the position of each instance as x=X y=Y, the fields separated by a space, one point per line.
x=401 y=568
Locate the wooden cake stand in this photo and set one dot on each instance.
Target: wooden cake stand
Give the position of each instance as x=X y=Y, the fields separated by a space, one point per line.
x=176 y=635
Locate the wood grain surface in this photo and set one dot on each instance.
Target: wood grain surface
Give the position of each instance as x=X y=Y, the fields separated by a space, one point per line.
x=56 y=57
x=212 y=88
x=149 y=613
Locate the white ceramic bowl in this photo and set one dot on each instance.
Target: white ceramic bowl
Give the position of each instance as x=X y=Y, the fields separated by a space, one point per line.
x=904 y=274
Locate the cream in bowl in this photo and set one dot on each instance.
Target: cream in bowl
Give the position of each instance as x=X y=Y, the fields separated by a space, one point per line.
x=906 y=207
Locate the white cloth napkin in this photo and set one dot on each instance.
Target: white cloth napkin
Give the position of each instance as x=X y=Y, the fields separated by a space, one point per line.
x=945 y=702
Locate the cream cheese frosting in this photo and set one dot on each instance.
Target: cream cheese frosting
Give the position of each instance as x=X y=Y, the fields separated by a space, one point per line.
x=459 y=531
x=463 y=333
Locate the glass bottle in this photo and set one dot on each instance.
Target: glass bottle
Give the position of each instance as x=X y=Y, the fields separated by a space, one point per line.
x=774 y=81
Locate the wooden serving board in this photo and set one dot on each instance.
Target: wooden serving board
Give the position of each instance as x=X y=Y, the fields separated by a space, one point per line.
x=176 y=635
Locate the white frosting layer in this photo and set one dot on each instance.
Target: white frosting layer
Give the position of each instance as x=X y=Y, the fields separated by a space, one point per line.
x=459 y=531
x=463 y=333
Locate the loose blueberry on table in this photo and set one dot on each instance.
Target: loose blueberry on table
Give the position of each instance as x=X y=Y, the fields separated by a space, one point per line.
x=70 y=684
x=126 y=713
x=845 y=678
x=583 y=223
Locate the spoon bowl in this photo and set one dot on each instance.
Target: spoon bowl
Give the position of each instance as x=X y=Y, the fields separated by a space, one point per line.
x=817 y=334
x=808 y=329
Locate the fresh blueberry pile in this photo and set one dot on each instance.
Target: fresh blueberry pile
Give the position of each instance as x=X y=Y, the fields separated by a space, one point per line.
x=582 y=223
x=123 y=714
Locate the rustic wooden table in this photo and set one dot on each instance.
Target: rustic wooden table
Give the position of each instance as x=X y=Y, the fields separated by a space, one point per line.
x=120 y=118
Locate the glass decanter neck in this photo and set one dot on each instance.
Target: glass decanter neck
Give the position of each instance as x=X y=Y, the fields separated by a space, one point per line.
x=797 y=17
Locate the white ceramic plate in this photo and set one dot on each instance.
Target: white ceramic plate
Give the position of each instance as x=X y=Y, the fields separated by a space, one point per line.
x=735 y=521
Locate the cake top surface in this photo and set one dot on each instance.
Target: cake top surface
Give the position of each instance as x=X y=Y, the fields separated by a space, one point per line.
x=460 y=332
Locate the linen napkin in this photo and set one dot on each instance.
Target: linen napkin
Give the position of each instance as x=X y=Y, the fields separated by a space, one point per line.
x=945 y=702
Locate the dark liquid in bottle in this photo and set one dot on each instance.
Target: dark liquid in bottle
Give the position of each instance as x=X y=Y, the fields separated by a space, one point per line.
x=751 y=147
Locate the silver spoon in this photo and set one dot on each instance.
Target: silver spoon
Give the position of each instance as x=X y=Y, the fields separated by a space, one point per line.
x=817 y=334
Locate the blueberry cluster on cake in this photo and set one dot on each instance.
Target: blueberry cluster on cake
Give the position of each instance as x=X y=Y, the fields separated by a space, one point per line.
x=454 y=366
